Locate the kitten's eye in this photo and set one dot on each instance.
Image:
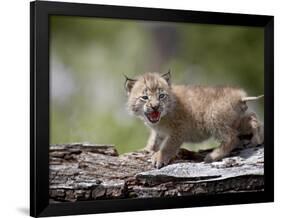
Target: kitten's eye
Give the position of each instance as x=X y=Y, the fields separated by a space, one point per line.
x=161 y=95
x=145 y=97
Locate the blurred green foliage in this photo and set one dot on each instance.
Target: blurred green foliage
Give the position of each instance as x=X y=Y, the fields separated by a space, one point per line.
x=88 y=57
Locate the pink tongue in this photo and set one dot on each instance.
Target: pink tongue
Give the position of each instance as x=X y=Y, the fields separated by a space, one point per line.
x=154 y=114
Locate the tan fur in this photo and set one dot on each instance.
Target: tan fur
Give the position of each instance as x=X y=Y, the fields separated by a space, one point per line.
x=189 y=114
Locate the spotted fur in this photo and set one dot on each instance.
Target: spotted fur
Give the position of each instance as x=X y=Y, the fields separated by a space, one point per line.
x=189 y=113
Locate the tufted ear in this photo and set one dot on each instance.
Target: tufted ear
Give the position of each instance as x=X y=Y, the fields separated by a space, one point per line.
x=129 y=83
x=167 y=77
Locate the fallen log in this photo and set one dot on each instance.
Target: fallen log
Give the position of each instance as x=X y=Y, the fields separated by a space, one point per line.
x=82 y=171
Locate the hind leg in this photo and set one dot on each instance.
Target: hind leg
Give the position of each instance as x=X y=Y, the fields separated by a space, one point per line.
x=258 y=136
x=250 y=125
x=230 y=141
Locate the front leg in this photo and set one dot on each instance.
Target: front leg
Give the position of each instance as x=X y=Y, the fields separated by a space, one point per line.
x=154 y=141
x=167 y=151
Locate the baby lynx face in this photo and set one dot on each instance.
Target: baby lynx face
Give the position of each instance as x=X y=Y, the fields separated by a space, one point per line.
x=149 y=96
x=178 y=114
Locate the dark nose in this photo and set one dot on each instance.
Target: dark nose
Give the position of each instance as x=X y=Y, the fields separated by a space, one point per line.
x=155 y=107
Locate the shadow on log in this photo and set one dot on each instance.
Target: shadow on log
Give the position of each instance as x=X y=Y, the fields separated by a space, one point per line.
x=81 y=172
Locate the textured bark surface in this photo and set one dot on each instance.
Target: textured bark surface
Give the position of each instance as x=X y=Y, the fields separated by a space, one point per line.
x=86 y=172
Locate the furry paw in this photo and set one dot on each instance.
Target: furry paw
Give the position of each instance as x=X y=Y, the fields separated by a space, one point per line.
x=160 y=160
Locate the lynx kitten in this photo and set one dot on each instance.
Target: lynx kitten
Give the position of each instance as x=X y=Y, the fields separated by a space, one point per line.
x=185 y=113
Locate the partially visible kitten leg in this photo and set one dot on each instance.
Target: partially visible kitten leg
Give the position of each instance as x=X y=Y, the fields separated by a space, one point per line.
x=154 y=141
x=249 y=124
x=224 y=149
x=167 y=151
x=258 y=135
x=256 y=128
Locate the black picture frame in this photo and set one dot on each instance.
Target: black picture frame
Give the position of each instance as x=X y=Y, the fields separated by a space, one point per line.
x=39 y=107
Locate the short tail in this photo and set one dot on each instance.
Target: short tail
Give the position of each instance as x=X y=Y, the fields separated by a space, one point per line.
x=245 y=99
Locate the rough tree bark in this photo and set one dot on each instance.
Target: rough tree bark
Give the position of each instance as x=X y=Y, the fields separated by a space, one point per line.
x=86 y=172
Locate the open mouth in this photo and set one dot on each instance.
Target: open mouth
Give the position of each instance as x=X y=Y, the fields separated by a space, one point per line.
x=153 y=117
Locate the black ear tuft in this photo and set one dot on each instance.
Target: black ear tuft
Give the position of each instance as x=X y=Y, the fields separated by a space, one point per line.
x=167 y=77
x=129 y=83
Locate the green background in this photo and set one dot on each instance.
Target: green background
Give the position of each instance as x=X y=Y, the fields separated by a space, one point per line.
x=88 y=57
